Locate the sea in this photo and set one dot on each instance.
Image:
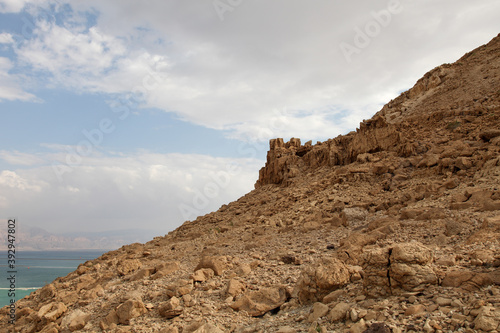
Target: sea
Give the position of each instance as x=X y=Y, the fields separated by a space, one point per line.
x=35 y=269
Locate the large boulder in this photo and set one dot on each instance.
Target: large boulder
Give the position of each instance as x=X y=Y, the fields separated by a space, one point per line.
x=398 y=268
x=321 y=278
x=257 y=303
x=129 y=310
x=410 y=268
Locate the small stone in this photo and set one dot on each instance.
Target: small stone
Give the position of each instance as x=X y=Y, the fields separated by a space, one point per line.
x=443 y=301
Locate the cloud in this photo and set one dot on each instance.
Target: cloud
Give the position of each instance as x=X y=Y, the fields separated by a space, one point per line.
x=10 y=87
x=232 y=74
x=20 y=158
x=6 y=38
x=117 y=191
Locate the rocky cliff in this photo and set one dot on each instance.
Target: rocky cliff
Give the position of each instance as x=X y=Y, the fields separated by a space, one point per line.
x=392 y=228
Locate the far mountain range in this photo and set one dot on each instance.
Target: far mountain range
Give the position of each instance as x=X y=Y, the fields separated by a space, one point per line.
x=31 y=238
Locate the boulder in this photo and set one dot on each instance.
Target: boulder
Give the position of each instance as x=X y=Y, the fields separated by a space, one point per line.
x=488 y=319
x=202 y=275
x=217 y=263
x=129 y=310
x=257 y=303
x=410 y=267
x=128 y=266
x=394 y=270
x=170 y=309
x=339 y=312
x=75 y=321
x=318 y=310
x=234 y=288
x=320 y=279
x=52 y=311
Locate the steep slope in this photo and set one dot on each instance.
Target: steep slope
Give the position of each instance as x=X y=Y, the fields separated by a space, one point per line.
x=392 y=228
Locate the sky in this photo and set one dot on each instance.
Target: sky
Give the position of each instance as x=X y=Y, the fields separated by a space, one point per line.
x=128 y=114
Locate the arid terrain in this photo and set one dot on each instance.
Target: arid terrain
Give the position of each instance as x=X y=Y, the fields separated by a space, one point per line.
x=392 y=228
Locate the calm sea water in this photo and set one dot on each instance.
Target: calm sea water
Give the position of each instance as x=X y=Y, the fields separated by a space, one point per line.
x=35 y=269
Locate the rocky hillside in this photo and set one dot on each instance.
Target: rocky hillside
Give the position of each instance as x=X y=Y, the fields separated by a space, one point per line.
x=392 y=228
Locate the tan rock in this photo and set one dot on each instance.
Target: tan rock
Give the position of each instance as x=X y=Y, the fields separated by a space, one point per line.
x=110 y=321
x=217 y=263
x=52 y=311
x=202 y=275
x=488 y=319
x=339 y=312
x=243 y=270
x=179 y=288
x=235 y=288
x=76 y=320
x=415 y=310
x=208 y=328
x=333 y=296
x=130 y=310
x=359 y=327
x=128 y=266
x=320 y=279
x=256 y=303
x=169 y=329
x=318 y=310
x=171 y=308
x=165 y=269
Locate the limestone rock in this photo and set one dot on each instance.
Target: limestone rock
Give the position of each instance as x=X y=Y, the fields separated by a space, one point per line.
x=52 y=311
x=171 y=308
x=318 y=310
x=339 y=312
x=130 y=310
x=208 y=328
x=202 y=275
x=110 y=321
x=217 y=263
x=76 y=320
x=165 y=269
x=488 y=319
x=256 y=303
x=127 y=266
x=235 y=288
x=392 y=270
x=320 y=279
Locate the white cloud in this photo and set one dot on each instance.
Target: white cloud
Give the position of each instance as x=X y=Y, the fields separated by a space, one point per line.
x=150 y=191
x=15 y=6
x=6 y=38
x=12 y=180
x=10 y=87
x=20 y=158
x=263 y=56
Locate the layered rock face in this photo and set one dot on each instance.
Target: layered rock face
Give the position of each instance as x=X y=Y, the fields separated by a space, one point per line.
x=392 y=228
